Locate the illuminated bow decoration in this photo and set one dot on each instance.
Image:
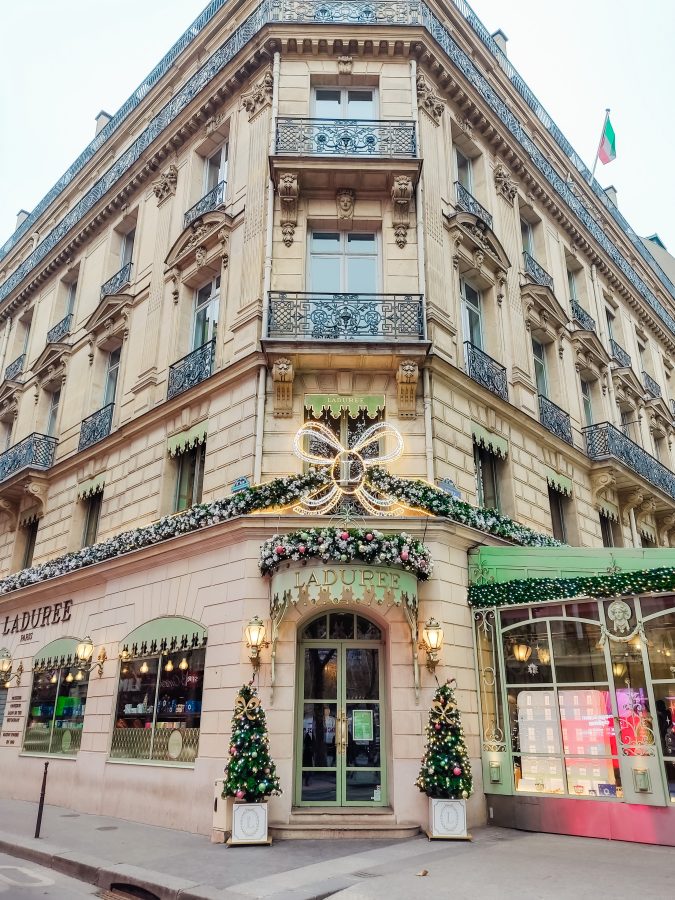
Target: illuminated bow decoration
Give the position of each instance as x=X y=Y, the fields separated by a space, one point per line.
x=250 y=709
x=442 y=711
x=348 y=468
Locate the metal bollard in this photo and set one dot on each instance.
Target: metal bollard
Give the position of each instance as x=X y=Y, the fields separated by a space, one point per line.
x=41 y=804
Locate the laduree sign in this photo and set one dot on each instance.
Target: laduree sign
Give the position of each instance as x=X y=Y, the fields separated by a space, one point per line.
x=38 y=618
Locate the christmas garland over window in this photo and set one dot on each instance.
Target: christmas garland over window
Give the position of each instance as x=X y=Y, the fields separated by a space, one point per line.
x=540 y=590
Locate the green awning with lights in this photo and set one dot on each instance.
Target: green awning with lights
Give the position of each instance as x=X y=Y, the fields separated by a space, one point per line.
x=166 y=629
x=61 y=648
x=558 y=482
x=489 y=441
x=337 y=403
x=90 y=487
x=186 y=440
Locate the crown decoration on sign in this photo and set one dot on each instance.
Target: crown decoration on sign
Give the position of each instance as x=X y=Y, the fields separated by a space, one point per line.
x=346 y=468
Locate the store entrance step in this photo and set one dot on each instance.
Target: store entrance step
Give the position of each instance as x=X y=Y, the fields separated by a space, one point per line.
x=312 y=823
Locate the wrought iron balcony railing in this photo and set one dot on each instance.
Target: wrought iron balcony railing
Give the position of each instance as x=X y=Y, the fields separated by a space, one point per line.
x=486 y=370
x=651 y=386
x=619 y=354
x=115 y=284
x=467 y=202
x=60 y=330
x=34 y=452
x=555 y=419
x=534 y=271
x=208 y=203
x=345 y=317
x=586 y=321
x=345 y=137
x=191 y=369
x=96 y=426
x=15 y=368
x=604 y=440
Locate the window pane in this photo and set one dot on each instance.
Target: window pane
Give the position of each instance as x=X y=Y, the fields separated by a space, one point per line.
x=360 y=105
x=132 y=733
x=186 y=475
x=179 y=706
x=91 y=520
x=361 y=242
x=128 y=246
x=69 y=714
x=320 y=673
x=327 y=104
x=463 y=170
x=316 y=629
x=586 y=721
x=535 y=734
x=213 y=171
x=54 y=401
x=527 y=655
x=325 y=274
x=41 y=712
x=557 y=515
x=361 y=275
x=660 y=634
x=325 y=242
x=341 y=626
x=362 y=674
x=526 y=236
x=593 y=777
x=366 y=630
x=475 y=334
x=577 y=653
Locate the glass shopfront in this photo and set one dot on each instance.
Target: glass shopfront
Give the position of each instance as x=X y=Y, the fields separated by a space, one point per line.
x=578 y=699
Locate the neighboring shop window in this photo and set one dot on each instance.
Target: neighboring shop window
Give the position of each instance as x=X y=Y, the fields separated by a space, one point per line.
x=159 y=700
x=57 y=703
x=190 y=477
x=660 y=634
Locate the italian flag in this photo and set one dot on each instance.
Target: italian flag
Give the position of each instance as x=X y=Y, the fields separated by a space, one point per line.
x=607 y=148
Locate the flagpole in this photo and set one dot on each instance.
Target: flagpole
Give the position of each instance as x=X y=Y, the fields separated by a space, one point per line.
x=597 y=152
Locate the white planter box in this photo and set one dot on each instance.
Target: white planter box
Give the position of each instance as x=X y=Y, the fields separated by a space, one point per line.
x=447 y=819
x=249 y=823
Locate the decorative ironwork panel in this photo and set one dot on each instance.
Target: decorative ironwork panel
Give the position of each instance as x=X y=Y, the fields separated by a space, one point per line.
x=555 y=419
x=35 y=451
x=208 y=203
x=346 y=137
x=586 y=321
x=486 y=371
x=131 y=743
x=468 y=203
x=96 y=426
x=15 y=368
x=605 y=440
x=370 y=12
x=536 y=273
x=191 y=369
x=619 y=354
x=115 y=284
x=651 y=386
x=344 y=317
x=60 y=330
x=178 y=745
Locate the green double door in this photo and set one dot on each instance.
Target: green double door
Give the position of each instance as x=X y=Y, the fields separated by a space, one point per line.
x=340 y=732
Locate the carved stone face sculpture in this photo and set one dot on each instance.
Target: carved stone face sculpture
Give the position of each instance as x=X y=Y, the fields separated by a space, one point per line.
x=345 y=203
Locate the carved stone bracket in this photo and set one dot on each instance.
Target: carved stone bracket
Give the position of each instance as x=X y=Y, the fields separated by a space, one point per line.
x=647 y=508
x=37 y=489
x=506 y=186
x=429 y=100
x=289 y=192
x=259 y=95
x=345 y=65
x=632 y=500
x=664 y=527
x=601 y=484
x=224 y=243
x=165 y=186
x=407 y=377
x=401 y=197
x=10 y=510
x=282 y=376
x=345 y=198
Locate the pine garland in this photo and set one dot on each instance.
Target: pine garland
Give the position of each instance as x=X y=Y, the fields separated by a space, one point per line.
x=446 y=770
x=250 y=774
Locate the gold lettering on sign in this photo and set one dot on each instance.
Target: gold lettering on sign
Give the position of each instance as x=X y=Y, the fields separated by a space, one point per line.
x=344 y=573
x=366 y=577
x=330 y=577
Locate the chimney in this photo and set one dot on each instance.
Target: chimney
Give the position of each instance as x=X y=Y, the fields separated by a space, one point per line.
x=610 y=190
x=102 y=120
x=21 y=217
x=500 y=40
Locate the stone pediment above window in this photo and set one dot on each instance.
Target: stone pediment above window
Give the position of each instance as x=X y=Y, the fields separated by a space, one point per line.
x=627 y=386
x=476 y=247
x=591 y=358
x=659 y=417
x=9 y=400
x=110 y=319
x=205 y=242
x=50 y=366
x=544 y=316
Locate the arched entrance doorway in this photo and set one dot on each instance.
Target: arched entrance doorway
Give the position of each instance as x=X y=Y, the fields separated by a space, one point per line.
x=340 y=728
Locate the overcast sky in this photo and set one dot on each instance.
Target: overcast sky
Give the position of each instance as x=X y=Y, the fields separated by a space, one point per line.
x=63 y=61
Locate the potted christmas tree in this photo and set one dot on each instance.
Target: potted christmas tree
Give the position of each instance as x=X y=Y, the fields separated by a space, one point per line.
x=250 y=774
x=445 y=776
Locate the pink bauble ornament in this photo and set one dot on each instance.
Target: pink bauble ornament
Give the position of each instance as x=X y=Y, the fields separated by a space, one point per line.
x=369 y=537
x=457 y=771
x=301 y=548
x=404 y=555
x=239 y=795
x=279 y=550
x=437 y=726
x=345 y=535
x=233 y=751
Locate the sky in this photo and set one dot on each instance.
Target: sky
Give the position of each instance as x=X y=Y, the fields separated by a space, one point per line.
x=64 y=61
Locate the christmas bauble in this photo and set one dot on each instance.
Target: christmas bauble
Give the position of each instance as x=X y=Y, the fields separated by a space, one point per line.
x=240 y=794
x=404 y=555
x=457 y=771
x=464 y=795
x=345 y=535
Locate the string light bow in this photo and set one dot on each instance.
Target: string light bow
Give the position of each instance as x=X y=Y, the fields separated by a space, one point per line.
x=250 y=709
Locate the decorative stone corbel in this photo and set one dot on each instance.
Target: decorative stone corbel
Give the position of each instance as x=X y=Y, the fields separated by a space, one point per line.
x=647 y=508
x=282 y=376
x=467 y=127
x=259 y=95
x=37 y=489
x=345 y=198
x=224 y=246
x=455 y=251
x=345 y=65
x=165 y=186
x=213 y=124
x=174 y=275
x=401 y=197
x=429 y=100
x=506 y=186
x=289 y=192
x=501 y=286
x=91 y=340
x=634 y=499
x=664 y=527
x=10 y=511
x=601 y=484
x=200 y=256
x=407 y=377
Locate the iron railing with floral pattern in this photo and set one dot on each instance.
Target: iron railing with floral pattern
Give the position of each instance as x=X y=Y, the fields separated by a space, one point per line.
x=345 y=137
x=586 y=321
x=15 y=368
x=619 y=354
x=651 y=386
x=115 y=284
x=60 y=330
x=96 y=426
x=467 y=202
x=35 y=452
x=604 y=440
x=486 y=370
x=191 y=369
x=208 y=203
x=534 y=271
x=555 y=419
x=345 y=317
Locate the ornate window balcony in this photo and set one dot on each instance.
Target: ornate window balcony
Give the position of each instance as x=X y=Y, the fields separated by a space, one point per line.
x=485 y=370
x=467 y=202
x=604 y=441
x=15 y=368
x=345 y=137
x=555 y=419
x=534 y=271
x=115 y=284
x=60 y=330
x=651 y=386
x=619 y=354
x=96 y=426
x=191 y=369
x=586 y=321
x=34 y=452
x=208 y=203
x=298 y=316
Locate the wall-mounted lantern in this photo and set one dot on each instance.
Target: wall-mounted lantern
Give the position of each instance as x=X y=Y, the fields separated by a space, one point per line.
x=432 y=642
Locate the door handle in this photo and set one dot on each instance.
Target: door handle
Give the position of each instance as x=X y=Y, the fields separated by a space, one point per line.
x=342 y=724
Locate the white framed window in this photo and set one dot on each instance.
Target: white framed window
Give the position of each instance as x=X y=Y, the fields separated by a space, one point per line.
x=572 y=285
x=71 y=296
x=487 y=486
x=190 y=477
x=111 y=376
x=53 y=413
x=526 y=236
x=344 y=262
x=215 y=168
x=127 y=247
x=472 y=314
x=610 y=323
x=464 y=170
x=587 y=401
x=92 y=518
x=557 y=504
x=540 y=368
x=207 y=302
x=344 y=103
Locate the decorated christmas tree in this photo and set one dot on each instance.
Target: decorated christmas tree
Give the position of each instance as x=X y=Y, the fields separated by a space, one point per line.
x=445 y=772
x=250 y=774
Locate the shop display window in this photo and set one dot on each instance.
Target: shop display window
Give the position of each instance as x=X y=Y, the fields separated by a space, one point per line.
x=56 y=711
x=577 y=652
x=527 y=654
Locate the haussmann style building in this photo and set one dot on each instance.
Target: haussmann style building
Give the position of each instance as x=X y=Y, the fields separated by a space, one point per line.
x=333 y=267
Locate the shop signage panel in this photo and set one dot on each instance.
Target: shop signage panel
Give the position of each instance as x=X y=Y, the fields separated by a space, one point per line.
x=53 y=614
